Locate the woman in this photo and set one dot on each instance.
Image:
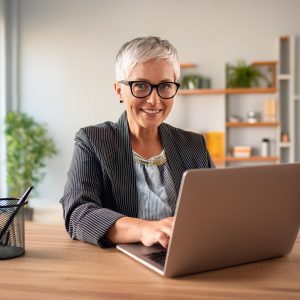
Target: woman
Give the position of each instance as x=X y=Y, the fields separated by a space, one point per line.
x=124 y=177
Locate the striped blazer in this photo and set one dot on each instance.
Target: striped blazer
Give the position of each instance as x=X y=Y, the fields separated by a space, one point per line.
x=101 y=183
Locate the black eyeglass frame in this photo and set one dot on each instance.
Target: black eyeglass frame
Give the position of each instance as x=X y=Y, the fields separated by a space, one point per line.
x=131 y=82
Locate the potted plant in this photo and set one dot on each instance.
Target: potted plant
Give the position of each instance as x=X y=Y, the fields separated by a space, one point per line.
x=28 y=147
x=244 y=76
x=190 y=81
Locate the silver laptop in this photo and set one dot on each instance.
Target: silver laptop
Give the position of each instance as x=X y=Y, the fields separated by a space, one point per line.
x=227 y=217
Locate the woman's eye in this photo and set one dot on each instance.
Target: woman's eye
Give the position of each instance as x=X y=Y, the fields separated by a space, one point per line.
x=165 y=86
x=141 y=86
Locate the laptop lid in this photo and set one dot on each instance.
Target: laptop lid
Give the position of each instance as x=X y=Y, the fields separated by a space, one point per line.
x=232 y=216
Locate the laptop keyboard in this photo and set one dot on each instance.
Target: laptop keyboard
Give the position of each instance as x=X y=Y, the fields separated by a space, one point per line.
x=158 y=257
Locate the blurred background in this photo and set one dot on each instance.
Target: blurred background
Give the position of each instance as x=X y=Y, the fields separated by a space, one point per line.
x=57 y=64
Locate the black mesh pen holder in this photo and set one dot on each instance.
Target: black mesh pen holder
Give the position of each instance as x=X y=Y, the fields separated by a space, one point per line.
x=12 y=242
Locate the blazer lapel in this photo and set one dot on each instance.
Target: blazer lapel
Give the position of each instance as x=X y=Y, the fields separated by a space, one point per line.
x=124 y=172
x=176 y=163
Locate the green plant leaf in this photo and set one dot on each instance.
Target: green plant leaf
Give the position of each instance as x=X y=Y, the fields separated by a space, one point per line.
x=244 y=76
x=28 y=148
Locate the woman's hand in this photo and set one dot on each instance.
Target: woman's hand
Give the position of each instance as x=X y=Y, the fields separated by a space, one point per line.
x=132 y=230
x=152 y=232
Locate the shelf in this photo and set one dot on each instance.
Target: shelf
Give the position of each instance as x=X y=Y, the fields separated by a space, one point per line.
x=284 y=76
x=284 y=145
x=228 y=91
x=218 y=160
x=202 y=92
x=247 y=124
x=186 y=66
x=252 y=158
x=270 y=90
x=265 y=63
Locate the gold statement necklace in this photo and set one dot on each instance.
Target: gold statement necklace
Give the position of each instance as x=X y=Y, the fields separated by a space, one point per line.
x=157 y=160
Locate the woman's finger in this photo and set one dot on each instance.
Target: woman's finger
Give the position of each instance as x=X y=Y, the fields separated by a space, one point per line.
x=164 y=240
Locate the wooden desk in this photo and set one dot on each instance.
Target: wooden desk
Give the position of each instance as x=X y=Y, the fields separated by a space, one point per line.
x=55 y=267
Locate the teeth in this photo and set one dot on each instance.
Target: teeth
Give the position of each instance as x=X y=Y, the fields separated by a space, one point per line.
x=152 y=111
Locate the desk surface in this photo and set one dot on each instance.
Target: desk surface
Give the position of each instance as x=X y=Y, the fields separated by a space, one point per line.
x=55 y=267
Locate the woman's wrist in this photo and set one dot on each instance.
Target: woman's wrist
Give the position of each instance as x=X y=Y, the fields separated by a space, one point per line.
x=139 y=230
x=126 y=230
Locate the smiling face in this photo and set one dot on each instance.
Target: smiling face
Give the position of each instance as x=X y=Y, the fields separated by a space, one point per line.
x=147 y=113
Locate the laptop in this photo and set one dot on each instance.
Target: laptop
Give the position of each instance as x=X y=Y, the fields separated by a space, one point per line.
x=227 y=217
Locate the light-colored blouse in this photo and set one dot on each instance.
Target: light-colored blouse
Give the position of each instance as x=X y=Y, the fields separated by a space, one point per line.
x=156 y=191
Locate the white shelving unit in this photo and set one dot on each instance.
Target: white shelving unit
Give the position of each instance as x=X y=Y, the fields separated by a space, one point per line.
x=285 y=52
x=240 y=101
x=250 y=134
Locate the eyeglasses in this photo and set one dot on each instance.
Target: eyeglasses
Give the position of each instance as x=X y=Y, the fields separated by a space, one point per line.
x=142 y=89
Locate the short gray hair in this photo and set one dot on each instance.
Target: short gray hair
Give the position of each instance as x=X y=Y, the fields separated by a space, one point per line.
x=141 y=50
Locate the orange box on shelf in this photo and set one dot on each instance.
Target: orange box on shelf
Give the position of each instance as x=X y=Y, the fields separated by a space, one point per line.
x=215 y=144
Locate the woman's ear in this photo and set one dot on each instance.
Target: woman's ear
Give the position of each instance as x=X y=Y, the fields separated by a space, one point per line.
x=118 y=90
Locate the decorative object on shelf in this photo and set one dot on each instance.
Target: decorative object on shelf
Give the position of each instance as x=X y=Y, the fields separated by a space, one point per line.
x=215 y=144
x=265 y=147
x=244 y=76
x=284 y=138
x=190 y=81
x=253 y=116
x=234 y=119
x=242 y=151
x=205 y=83
x=28 y=147
x=195 y=81
x=270 y=111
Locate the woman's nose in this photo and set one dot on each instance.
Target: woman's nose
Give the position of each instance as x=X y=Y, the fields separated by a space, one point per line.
x=153 y=98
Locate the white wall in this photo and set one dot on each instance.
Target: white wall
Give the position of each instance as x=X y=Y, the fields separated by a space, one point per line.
x=2 y=99
x=67 y=51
